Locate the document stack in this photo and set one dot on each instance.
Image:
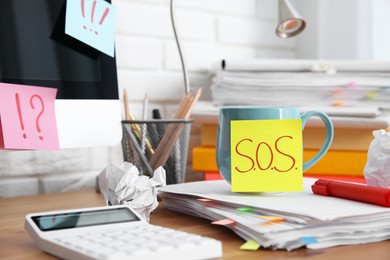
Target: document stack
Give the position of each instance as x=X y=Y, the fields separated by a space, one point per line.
x=302 y=83
x=281 y=221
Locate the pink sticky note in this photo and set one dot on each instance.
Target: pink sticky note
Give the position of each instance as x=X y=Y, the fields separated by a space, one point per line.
x=27 y=116
x=204 y=200
x=223 y=222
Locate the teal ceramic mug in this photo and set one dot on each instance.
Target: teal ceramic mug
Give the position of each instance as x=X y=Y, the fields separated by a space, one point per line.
x=228 y=114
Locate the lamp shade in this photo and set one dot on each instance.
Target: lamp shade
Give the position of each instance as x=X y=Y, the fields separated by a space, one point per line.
x=290 y=22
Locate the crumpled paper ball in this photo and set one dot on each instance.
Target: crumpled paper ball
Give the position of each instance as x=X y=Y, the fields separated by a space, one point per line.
x=377 y=168
x=125 y=185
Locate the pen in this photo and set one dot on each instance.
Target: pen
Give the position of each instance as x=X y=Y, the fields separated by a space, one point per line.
x=136 y=128
x=138 y=131
x=352 y=191
x=158 y=127
x=144 y=117
x=140 y=153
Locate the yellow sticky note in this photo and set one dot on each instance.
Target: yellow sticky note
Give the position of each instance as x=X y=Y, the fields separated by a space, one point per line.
x=250 y=245
x=266 y=155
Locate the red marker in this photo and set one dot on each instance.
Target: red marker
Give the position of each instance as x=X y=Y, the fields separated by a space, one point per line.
x=363 y=193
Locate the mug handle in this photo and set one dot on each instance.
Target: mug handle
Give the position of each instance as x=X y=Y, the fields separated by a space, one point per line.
x=329 y=136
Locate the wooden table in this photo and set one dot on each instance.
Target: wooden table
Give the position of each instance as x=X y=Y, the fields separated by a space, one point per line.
x=15 y=243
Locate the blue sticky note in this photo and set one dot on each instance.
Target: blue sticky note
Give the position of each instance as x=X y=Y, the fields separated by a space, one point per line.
x=309 y=240
x=92 y=22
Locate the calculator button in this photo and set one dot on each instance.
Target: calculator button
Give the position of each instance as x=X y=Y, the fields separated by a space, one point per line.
x=115 y=255
x=130 y=248
x=164 y=249
x=141 y=252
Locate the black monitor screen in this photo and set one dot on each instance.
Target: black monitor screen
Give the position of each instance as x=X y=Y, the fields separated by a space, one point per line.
x=34 y=50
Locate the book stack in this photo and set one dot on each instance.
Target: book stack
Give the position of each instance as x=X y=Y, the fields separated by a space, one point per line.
x=354 y=94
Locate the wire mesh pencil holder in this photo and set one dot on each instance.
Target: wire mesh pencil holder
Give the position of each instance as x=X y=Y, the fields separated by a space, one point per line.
x=149 y=144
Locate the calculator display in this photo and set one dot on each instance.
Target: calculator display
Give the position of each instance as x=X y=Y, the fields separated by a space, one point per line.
x=84 y=218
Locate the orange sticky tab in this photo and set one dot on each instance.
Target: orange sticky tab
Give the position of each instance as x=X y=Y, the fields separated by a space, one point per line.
x=223 y=222
x=271 y=222
x=338 y=103
x=271 y=218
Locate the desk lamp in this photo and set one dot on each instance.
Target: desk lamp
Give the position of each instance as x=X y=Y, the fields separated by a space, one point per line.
x=183 y=64
x=290 y=22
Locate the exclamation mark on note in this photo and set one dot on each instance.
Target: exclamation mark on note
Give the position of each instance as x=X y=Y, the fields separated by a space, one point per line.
x=105 y=13
x=83 y=11
x=17 y=99
x=93 y=9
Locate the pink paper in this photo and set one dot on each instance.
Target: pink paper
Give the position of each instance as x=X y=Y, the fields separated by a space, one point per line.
x=27 y=117
x=204 y=200
x=223 y=222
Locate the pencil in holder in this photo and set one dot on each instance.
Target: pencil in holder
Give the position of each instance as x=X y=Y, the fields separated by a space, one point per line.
x=149 y=144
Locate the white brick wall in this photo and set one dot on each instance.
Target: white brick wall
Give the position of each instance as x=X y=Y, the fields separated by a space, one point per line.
x=148 y=62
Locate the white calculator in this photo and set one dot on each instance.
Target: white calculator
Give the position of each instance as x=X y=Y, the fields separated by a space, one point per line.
x=114 y=232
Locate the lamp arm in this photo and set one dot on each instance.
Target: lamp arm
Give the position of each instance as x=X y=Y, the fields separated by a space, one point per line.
x=182 y=60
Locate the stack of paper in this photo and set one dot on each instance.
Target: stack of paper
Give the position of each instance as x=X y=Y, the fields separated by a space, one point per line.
x=302 y=83
x=281 y=220
x=342 y=117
